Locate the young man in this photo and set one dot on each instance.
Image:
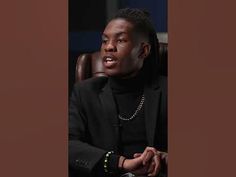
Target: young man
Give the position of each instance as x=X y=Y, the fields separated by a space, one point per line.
x=118 y=124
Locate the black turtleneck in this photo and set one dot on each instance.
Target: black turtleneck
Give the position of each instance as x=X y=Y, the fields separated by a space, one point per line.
x=127 y=94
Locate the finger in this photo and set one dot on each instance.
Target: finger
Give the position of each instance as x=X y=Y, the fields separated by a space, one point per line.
x=156 y=160
x=166 y=159
x=132 y=164
x=144 y=154
x=147 y=157
x=149 y=150
x=151 y=167
x=148 y=153
x=157 y=167
x=164 y=156
x=137 y=155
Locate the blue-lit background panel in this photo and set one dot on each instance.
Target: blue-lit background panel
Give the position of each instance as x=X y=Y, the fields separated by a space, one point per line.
x=84 y=41
x=157 y=9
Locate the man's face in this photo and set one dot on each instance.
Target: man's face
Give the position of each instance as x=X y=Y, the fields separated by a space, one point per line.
x=121 y=49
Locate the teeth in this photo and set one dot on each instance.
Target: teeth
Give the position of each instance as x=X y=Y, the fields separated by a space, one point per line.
x=109 y=59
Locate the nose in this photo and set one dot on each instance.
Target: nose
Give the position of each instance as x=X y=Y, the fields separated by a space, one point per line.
x=110 y=47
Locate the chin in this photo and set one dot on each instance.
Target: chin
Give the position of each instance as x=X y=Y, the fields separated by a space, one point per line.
x=113 y=73
x=118 y=74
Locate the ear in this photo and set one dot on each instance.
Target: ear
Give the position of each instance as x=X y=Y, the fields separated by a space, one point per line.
x=144 y=50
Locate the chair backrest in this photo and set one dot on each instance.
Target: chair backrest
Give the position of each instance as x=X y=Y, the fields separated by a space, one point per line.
x=90 y=64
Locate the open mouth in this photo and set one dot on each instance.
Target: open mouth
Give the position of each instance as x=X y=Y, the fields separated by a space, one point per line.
x=109 y=61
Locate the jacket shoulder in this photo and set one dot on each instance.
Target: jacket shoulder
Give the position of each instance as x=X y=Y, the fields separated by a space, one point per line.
x=92 y=84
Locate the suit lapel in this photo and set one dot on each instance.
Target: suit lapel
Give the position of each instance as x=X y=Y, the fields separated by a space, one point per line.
x=152 y=104
x=110 y=113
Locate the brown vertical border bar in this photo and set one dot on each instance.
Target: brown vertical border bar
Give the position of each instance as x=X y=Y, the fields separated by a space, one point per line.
x=202 y=88
x=33 y=95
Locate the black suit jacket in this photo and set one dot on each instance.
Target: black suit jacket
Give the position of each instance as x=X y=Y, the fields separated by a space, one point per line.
x=93 y=122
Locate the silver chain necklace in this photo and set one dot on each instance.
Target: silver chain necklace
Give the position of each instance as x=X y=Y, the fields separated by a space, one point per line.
x=135 y=112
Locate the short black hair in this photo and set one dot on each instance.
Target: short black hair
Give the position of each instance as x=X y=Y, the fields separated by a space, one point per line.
x=142 y=24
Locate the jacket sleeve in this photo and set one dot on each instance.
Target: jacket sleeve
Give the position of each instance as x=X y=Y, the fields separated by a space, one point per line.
x=83 y=157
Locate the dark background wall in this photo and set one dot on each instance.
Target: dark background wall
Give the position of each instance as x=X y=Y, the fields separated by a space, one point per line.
x=88 y=18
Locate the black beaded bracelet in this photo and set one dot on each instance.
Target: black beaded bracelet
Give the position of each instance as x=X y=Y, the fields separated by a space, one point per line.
x=106 y=161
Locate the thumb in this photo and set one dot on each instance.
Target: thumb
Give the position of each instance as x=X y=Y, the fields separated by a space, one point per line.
x=137 y=155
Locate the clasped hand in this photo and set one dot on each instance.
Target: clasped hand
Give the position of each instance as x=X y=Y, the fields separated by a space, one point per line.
x=146 y=163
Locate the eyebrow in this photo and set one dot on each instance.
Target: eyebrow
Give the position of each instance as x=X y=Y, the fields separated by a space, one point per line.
x=117 y=34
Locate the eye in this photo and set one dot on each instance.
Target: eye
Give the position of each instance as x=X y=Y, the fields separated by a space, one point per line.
x=121 y=40
x=104 y=41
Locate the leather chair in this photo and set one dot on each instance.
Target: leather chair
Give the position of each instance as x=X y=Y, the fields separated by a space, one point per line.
x=90 y=64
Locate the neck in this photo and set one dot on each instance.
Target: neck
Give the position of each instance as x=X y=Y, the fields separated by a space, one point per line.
x=128 y=84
